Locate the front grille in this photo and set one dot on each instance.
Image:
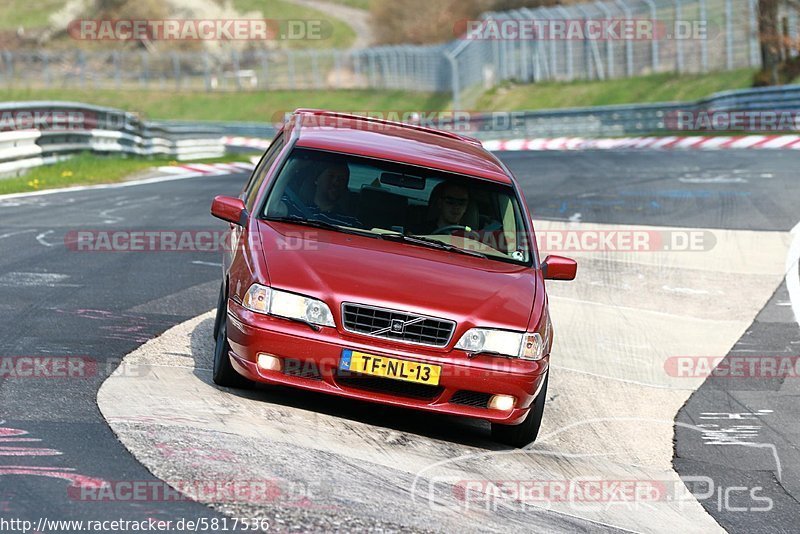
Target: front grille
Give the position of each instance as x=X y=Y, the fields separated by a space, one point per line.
x=397 y=325
x=301 y=369
x=470 y=398
x=389 y=386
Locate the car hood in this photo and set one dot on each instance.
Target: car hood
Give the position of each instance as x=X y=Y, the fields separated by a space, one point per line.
x=338 y=267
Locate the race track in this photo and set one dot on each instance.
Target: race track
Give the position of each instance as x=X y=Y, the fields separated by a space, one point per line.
x=613 y=402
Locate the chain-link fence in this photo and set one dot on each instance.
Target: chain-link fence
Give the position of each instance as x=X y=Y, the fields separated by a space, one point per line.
x=689 y=36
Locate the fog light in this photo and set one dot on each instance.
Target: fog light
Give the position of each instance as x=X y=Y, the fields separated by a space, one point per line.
x=269 y=363
x=502 y=402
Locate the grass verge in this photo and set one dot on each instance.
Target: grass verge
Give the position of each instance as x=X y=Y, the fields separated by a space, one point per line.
x=653 y=88
x=245 y=106
x=88 y=169
x=16 y=13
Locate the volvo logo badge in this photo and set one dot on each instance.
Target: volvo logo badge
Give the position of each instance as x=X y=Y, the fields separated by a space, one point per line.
x=397 y=326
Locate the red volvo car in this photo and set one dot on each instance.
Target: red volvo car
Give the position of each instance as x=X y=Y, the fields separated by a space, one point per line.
x=389 y=263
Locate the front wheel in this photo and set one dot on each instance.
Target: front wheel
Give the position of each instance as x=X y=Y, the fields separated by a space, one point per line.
x=223 y=373
x=525 y=432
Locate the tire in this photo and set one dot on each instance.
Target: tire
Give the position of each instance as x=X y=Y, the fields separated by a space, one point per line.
x=223 y=373
x=525 y=432
x=221 y=309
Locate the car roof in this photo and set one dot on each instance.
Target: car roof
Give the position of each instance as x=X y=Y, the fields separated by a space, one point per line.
x=394 y=141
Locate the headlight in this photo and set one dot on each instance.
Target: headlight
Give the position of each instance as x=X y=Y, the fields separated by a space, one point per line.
x=529 y=346
x=263 y=299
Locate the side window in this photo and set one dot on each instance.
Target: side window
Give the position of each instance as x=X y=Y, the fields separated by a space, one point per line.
x=258 y=176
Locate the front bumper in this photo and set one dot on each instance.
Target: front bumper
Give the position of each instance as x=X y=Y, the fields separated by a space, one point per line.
x=311 y=361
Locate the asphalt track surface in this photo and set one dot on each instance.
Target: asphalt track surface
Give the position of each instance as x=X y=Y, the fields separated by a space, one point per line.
x=104 y=305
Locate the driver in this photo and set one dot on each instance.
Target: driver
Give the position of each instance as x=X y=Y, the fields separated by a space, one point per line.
x=449 y=203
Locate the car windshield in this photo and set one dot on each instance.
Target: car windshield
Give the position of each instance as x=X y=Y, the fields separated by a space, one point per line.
x=389 y=200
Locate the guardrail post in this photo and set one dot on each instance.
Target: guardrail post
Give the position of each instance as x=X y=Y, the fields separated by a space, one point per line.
x=654 y=42
x=337 y=68
x=144 y=75
x=115 y=57
x=454 y=82
x=207 y=71
x=290 y=68
x=315 y=74
x=609 y=42
x=628 y=43
x=752 y=18
x=8 y=61
x=373 y=80
x=704 y=42
x=729 y=34
x=678 y=39
x=176 y=70
x=82 y=63
x=46 y=67
x=570 y=69
x=235 y=66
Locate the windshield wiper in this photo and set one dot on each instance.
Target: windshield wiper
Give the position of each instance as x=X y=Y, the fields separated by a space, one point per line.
x=320 y=224
x=432 y=243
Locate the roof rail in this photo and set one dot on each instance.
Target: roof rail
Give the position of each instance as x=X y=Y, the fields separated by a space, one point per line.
x=434 y=131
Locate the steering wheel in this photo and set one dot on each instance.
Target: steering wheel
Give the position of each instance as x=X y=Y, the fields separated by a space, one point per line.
x=449 y=229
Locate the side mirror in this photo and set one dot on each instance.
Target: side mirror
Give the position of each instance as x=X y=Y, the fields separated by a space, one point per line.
x=229 y=209
x=559 y=268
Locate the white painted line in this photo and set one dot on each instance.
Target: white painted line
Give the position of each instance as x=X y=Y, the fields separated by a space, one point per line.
x=208 y=263
x=792 y=274
x=21 y=279
x=684 y=290
x=618 y=379
x=41 y=238
x=9 y=234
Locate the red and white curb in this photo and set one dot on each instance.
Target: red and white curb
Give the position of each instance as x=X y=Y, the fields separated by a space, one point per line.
x=659 y=143
x=622 y=143
x=194 y=169
x=250 y=142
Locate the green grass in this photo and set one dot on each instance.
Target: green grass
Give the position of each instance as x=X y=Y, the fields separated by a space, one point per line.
x=88 y=169
x=27 y=13
x=251 y=106
x=337 y=33
x=653 y=88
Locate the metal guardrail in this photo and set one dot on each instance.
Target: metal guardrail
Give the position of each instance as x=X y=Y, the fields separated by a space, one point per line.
x=639 y=119
x=598 y=121
x=34 y=133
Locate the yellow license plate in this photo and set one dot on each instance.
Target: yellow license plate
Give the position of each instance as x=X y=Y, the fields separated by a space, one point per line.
x=370 y=364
